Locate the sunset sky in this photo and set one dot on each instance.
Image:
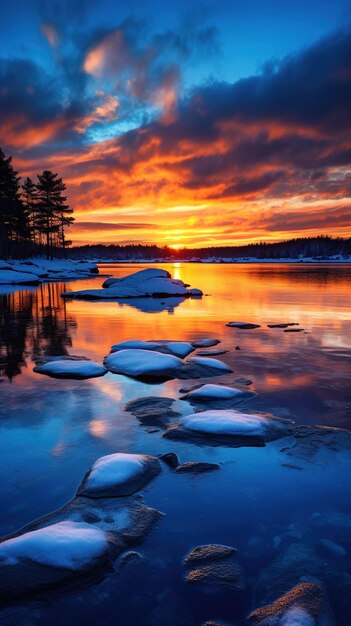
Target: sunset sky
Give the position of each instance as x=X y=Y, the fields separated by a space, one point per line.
x=184 y=123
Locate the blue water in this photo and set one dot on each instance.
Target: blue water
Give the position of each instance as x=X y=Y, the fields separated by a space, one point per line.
x=51 y=432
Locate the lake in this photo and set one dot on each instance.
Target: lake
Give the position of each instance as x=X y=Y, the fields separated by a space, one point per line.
x=53 y=430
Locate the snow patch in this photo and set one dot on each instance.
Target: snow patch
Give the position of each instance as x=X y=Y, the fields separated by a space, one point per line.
x=225 y=422
x=220 y=392
x=71 y=369
x=67 y=545
x=209 y=362
x=142 y=363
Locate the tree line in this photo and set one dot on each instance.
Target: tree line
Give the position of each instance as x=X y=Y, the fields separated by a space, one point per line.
x=33 y=216
x=304 y=247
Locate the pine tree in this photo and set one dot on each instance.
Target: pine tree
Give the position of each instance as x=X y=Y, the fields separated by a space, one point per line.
x=29 y=192
x=13 y=221
x=53 y=214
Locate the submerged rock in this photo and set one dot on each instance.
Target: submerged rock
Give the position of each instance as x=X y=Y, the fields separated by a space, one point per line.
x=211 y=352
x=76 y=368
x=194 y=467
x=310 y=442
x=304 y=605
x=211 y=552
x=284 y=325
x=293 y=563
x=152 y=410
x=294 y=330
x=229 y=427
x=119 y=475
x=214 y=565
x=243 y=325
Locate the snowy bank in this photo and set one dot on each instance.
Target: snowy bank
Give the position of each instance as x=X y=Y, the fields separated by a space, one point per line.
x=150 y=282
x=37 y=270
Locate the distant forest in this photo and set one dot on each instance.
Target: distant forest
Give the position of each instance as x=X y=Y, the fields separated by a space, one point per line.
x=34 y=215
x=320 y=248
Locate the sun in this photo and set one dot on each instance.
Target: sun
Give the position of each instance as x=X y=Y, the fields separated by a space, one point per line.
x=176 y=246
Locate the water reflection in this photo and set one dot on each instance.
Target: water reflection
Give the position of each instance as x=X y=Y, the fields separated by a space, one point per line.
x=33 y=323
x=51 y=431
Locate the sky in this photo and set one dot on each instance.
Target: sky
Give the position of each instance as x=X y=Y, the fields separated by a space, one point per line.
x=183 y=123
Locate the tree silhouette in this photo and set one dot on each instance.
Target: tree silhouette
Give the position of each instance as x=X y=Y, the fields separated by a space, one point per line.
x=13 y=220
x=33 y=219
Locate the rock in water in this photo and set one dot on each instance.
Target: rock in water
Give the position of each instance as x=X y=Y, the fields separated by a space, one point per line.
x=70 y=368
x=196 y=468
x=177 y=348
x=243 y=325
x=216 y=396
x=214 y=565
x=69 y=545
x=229 y=427
x=151 y=282
x=205 y=343
x=143 y=364
x=211 y=552
x=304 y=605
x=119 y=475
x=152 y=410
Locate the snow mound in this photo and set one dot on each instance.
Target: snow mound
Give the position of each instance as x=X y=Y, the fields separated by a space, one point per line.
x=229 y=426
x=177 y=348
x=65 y=544
x=12 y=277
x=209 y=362
x=67 y=368
x=142 y=363
x=118 y=475
x=150 y=282
x=225 y=422
x=134 y=344
x=215 y=392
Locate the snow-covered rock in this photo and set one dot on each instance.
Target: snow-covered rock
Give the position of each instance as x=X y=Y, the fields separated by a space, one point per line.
x=70 y=368
x=134 y=344
x=215 y=392
x=119 y=475
x=67 y=545
x=229 y=426
x=75 y=545
x=214 y=364
x=12 y=277
x=143 y=363
x=177 y=348
x=150 y=282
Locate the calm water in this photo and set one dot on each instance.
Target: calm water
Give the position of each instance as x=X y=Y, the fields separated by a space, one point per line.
x=52 y=431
